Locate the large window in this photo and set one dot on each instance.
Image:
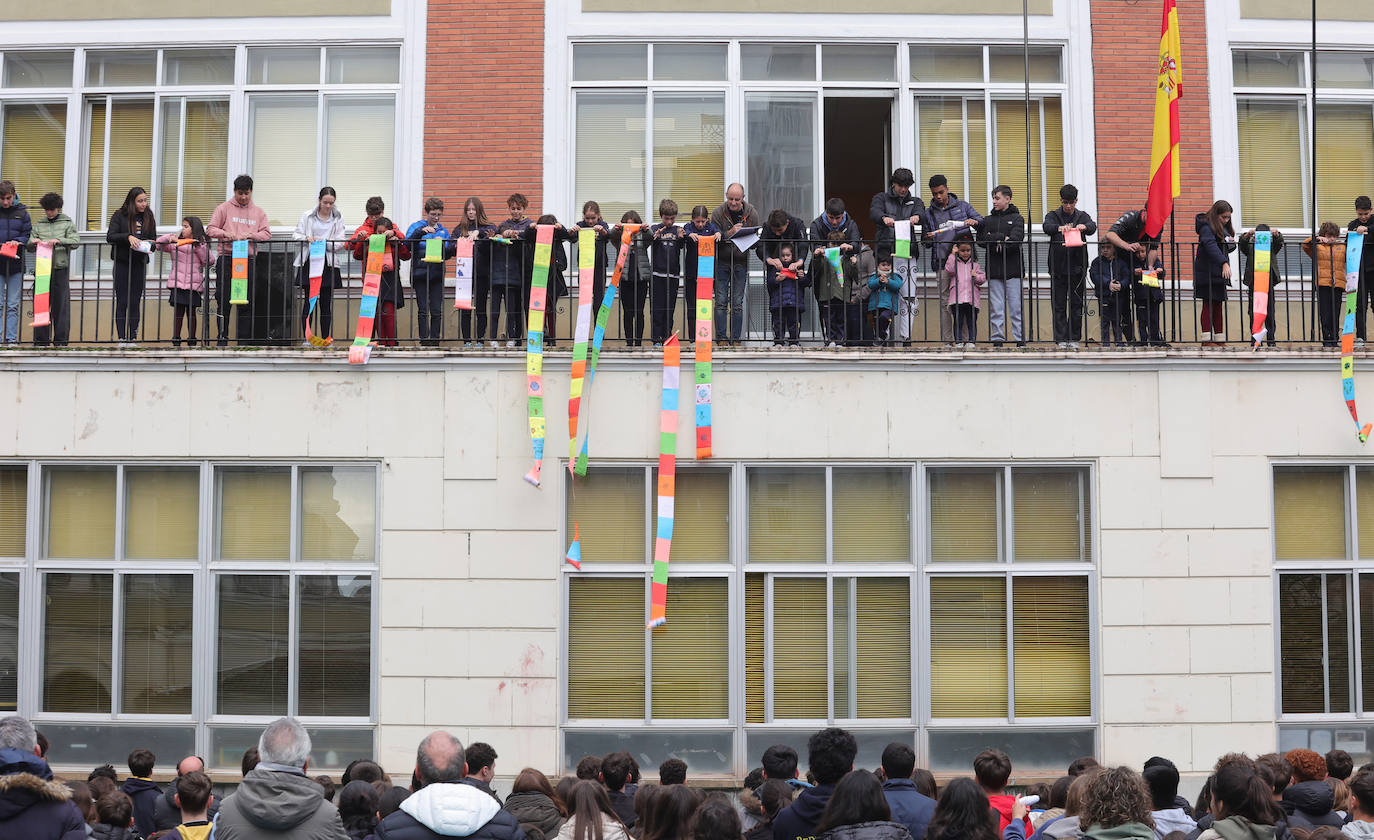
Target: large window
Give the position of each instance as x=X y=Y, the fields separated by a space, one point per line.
x=183 y=605
x=803 y=595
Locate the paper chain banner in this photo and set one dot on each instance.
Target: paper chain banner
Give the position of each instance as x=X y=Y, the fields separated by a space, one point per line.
x=462 y=283
x=238 y=283
x=586 y=268
x=42 y=281
x=902 y=230
x=603 y=317
x=706 y=295
x=361 y=350
x=1263 y=238
x=534 y=346
x=1354 y=246
x=667 y=481
x=316 y=277
x=574 y=556
x=434 y=249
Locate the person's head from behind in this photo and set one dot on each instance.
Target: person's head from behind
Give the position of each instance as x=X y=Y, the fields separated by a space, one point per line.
x=588 y=805
x=1078 y=792
x=1068 y=199
x=1340 y=794
x=1116 y=796
x=389 y=801
x=615 y=770
x=1238 y=791
x=326 y=784
x=939 y=190
x=141 y=762
x=899 y=760
x=715 y=819
x=830 y=754
x=243 y=190
x=1041 y=791
x=1079 y=766
x=1059 y=792
x=774 y=795
x=858 y=798
x=192 y=795
x=777 y=221
x=963 y=812
x=1001 y=197
x=667 y=211
x=1161 y=776
x=992 y=768
x=51 y=204
x=834 y=211
x=644 y=795
x=440 y=758
x=7 y=194
x=101 y=787
x=1362 y=796
x=589 y=768
x=358 y=802
x=531 y=780
x=670 y=812
x=16 y=733
x=250 y=760
x=1363 y=209
x=1339 y=764
x=83 y=800
x=285 y=741
x=115 y=810
x=563 y=790
x=362 y=769
x=1308 y=765
x=924 y=780
x=1276 y=771
x=900 y=181
x=516 y=204
x=779 y=762
x=672 y=771
x=374 y=207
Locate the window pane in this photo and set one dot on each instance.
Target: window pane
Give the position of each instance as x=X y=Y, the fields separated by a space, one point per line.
x=859 y=63
x=9 y=642
x=354 y=125
x=201 y=163
x=1345 y=155
x=705 y=751
x=96 y=218
x=1050 y=515
x=968 y=647
x=363 y=65
x=34 y=147
x=755 y=639
x=255 y=514
x=946 y=64
x=339 y=513
x=1345 y=70
x=689 y=150
x=691 y=653
x=1008 y=64
x=284 y=156
x=605 y=666
x=787 y=515
x=1309 y=514
x=163 y=510
x=782 y=152
x=1364 y=514
x=778 y=62
x=129 y=160
x=1050 y=636
x=1257 y=68
x=251 y=669
x=81 y=513
x=943 y=129
x=701 y=530
x=610 y=152
x=610 y=502
x=284 y=66
x=1366 y=640
x=77 y=616
x=965 y=508
x=121 y=68
x=1338 y=642
x=1010 y=116
x=331 y=748
x=799 y=661
x=198 y=67
x=157 y=644
x=610 y=62
x=872 y=515
x=1300 y=644
x=335 y=639
x=14 y=506
x=689 y=62
x=871 y=647
x=80 y=745
x=1037 y=753
x=1272 y=136
x=34 y=69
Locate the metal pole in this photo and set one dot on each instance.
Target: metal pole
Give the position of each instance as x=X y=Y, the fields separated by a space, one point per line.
x=1029 y=282
x=1312 y=155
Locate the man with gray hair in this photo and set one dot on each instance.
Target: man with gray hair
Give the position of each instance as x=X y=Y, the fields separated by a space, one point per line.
x=32 y=805
x=444 y=806
x=276 y=800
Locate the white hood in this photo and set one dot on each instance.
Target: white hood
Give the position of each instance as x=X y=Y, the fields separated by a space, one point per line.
x=1358 y=830
x=453 y=810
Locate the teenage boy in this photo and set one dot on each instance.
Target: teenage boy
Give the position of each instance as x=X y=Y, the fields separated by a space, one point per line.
x=238 y=218
x=58 y=230
x=15 y=228
x=1068 y=265
x=948 y=215
x=1360 y=224
x=665 y=260
x=193 y=798
x=992 y=768
x=830 y=754
x=1002 y=232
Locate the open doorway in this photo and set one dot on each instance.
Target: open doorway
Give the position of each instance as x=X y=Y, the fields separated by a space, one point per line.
x=858 y=152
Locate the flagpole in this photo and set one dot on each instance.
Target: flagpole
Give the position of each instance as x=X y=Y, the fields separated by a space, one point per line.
x=1030 y=202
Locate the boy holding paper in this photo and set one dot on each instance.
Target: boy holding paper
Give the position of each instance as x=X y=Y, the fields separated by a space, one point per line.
x=1002 y=232
x=57 y=230
x=1067 y=227
x=430 y=243
x=15 y=227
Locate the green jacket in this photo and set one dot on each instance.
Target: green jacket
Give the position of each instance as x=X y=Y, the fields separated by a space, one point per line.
x=62 y=229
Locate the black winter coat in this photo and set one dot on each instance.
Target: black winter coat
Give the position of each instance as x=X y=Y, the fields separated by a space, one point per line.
x=1212 y=254
x=799 y=819
x=896 y=207
x=101 y=831
x=879 y=830
x=32 y=805
x=145 y=795
x=15 y=226
x=819 y=234
x=1064 y=260
x=535 y=812
x=118 y=235
x=1308 y=805
x=1002 y=233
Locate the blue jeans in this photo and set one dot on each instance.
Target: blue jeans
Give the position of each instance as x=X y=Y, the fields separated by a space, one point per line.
x=732 y=279
x=14 y=292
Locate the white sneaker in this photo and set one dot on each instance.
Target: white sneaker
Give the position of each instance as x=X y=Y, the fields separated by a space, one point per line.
x=1073 y=345
x=510 y=343
x=495 y=344
x=1063 y=345
x=1359 y=342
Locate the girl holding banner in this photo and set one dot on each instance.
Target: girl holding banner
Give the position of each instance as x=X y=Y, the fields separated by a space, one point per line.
x=323 y=224
x=470 y=295
x=130 y=234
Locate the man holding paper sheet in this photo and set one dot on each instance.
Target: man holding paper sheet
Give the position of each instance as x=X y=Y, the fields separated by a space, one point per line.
x=735 y=218
x=946 y=218
x=1068 y=227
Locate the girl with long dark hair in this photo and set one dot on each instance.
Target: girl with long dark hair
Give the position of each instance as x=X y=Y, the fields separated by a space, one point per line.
x=358 y=804
x=591 y=816
x=1216 y=239
x=963 y=813
x=535 y=805
x=131 y=233
x=858 y=810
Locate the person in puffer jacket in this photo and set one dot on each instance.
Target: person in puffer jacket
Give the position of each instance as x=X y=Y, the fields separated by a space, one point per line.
x=1244 y=807
x=533 y=804
x=1161 y=775
x=32 y=805
x=444 y=806
x=1361 y=825
x=858 y=810
x=16 y=228
x=1308 y=802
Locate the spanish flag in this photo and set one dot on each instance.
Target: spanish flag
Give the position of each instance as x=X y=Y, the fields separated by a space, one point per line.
x=1164 y=178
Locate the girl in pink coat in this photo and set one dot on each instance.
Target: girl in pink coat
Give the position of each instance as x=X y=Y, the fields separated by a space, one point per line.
x=966 y=277
x=186 y=279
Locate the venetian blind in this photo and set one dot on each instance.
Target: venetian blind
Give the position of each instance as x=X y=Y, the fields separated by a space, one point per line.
x=1050 y=516
x=77 y=619
x=34 y=147
x=882 y=648
x=755 y=640
x=964 y=513
x=163 y=514
x=968 y=647
x=255 y=514
x=605 y=673
x=701 y=527
x=689 y=150
x=799 y=660
x=872 y=515
x=610 y=152
x=1309 y=514
x=251 y=668
x=339 y=513
x=14 y=493
x=157 y=644
x=608 y=507
x=787 y=515
x=285 y=156
x=81 y=513
x=1272 y=161
x=691 y=652
x=1345 y=156
x=1051 y=639
x=361 y=142
x=335 y=644
x=940 y=139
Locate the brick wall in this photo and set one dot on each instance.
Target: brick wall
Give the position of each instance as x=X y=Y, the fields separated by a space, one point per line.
x=484 y=103
x=1125 y=56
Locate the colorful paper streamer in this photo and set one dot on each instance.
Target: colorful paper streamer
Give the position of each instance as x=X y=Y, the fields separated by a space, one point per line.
x=1354 y=247
x=706 y=295
x=42 y=281
x=434 y=249
x=361 y=350
x=574 y=556
x=901 y=228
x=586 y=269
x=832 y=256
x=603 y=317
x=534 y=346
x=316 y=277
x=667 y=481
x=462 y=282
x=1260 y=300
x=238 y=278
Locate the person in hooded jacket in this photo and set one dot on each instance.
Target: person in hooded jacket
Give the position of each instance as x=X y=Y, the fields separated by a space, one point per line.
x=1242 y=806
x=592 y=817
x=1309 y=800
x=1216 y=239
x=773 y=795
x=1116 y=806
x=142 y=790
x=444 y=806
x=859 y=810
x=15 y=227
x=358 y=802
x=716 y=819
x=276 y=800
x=166 y=814
x=115 y=818
x=832 y=229
x=1001 y=232
x=532 y=802
x=1161 y=776
x=830 y=755
x=898 y=203
x=1361 y=825
x=909 y=806
x=32 y=805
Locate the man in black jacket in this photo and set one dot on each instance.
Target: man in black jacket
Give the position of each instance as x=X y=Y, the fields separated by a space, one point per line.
x=1068 y=266
x=1143 y=252
x=166 y=814
x=1002 y=232
x=615 y=772
x=830 y=754
x=894 y=204
x=443 y=806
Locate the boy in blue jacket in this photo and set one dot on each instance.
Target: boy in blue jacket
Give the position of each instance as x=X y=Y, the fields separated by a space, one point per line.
x=15 y=227
x=665 y=261
x=427 y=278
x=884 y=290
x=1111 y=277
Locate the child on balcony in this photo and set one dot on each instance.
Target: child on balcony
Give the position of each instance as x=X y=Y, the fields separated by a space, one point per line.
x=884 y=288
x=1111 y=276
x=785 y=300
x=186 y=279
x=966 y=277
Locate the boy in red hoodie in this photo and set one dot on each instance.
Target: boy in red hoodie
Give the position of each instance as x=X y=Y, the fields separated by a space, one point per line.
x=992 y=769
x=237 y=218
